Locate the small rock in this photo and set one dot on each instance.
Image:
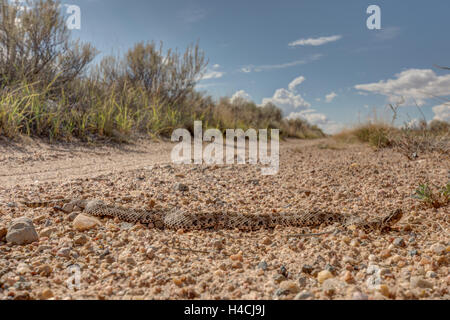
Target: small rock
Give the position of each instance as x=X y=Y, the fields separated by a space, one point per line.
x=289 y=286
x=283 y=271
x=64 y=252
x=418 y=282
x=21 y=231
x=438 y=249
x=399 y=242
x=267 y=241
x=347 y=277
x=360 y=296
x=384 y=290
x=80 y=240
x=304 y=295
x=45 y=270
x=431 y=274
x=307 y=269
x=324 y=275
x=3 y=232
x=83 y=222
x=329 y=287
x=302 y=281
x=72 y=216
x=47 y=232
x=262 y=265
x=22 y=268
x=46 y=294
x=181 y=187
x=413 y=252
x=278 y=278
x=68 y=207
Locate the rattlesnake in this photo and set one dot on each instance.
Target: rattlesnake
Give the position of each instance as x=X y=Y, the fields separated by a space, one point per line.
x=177 y=219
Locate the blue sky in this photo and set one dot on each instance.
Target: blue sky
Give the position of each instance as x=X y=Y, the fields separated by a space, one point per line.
x=342 y=70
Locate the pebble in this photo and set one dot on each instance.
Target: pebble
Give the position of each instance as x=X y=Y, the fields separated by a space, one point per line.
x=431 y=274
x=181 y=187
x=83 y=222
x=64 y=252
x=262 y=265
x=438 y=249
x=329 y=287
x=47 y=232
x=290 y=286
x=278 y=278
x=3 y=232
x=324 y=275
x=80 y=240
x=359 y=296
x=418 y=282
x=21 y=231
x=307 y=269
x=45 y=270
x=384 y=290
x=22 y=269
x=46 y=294
x=399 y=242
x=304 y=295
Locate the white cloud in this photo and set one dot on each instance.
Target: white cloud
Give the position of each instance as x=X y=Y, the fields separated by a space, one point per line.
x=315 y=41
x=442 y=112
x=413 y=85
x=241 y=94
x=268 y=67
x=216 y=66
x=213 y=75
x=388 y=33
x=330 y=97
x=296 y=82
x=319 y=119
x=286 y=100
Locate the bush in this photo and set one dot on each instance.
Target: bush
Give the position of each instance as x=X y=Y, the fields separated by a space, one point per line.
x=45 y=89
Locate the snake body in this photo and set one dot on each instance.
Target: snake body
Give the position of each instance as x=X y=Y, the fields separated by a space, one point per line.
x=177 y=219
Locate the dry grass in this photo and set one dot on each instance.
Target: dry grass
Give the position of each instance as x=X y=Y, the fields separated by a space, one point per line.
x=411 y=142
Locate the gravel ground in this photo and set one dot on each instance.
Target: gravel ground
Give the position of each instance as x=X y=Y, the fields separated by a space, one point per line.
x=116 y=260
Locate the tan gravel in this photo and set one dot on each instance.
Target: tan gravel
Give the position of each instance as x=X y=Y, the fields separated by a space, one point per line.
x=117 y=260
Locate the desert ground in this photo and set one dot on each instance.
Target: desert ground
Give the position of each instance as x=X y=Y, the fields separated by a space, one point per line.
x=119 y=260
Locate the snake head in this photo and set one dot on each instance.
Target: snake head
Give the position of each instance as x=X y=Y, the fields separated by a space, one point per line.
x=393 y=218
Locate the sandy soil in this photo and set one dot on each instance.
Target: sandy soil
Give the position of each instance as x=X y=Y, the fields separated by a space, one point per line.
x=117 y=260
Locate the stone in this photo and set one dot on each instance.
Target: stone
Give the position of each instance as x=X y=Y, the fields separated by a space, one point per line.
x=324 y=275
x=438 y=249
x=21 y=231
x=307 y=269
x=45 y=270
x=47 y=232
x=384 y=290
x=262 y=265
x=181 y=187
x=431 y=274
x=329 y=287
x=399 y=242
x=359 y=296
x=80 y=240
x=22 y=269
x=3 y=232
x=418 y=282
x=278 y=278
x=304 y=295
x=83 y=222
x=64 y=252
x=46 y=294
x=289 y=286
